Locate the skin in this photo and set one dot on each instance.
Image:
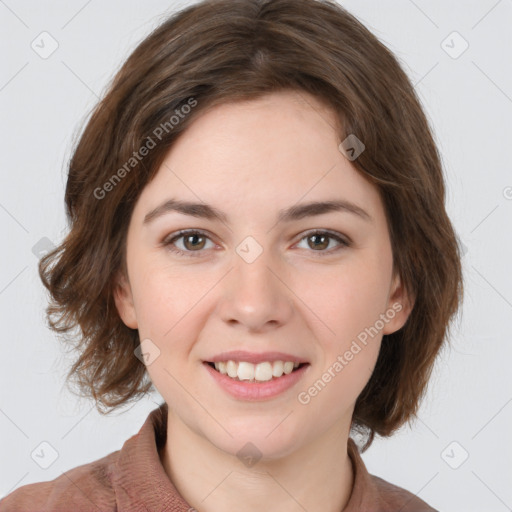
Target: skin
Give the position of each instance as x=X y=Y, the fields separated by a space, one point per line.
x=250 y=159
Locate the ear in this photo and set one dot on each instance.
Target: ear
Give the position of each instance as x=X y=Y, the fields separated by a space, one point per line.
x=399 y=306
x=124 y=301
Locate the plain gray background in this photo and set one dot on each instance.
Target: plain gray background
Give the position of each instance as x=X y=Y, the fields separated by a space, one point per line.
x=458 y=455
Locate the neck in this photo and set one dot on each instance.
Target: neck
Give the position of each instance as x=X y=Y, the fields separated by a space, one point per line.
x=317 y=477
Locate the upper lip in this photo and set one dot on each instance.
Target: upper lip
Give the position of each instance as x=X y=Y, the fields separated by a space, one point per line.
x=253 y=357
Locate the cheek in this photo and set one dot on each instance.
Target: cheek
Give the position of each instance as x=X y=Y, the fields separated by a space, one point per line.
x=348 y=300
x=349 y=303
x=162 y=296
x=172 y=309
x=333 y=389
x=349 y=347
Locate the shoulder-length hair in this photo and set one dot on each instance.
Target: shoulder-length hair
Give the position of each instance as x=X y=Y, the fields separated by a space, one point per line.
x=221 y=51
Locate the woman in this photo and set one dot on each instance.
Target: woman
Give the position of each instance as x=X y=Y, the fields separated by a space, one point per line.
x=257 y=228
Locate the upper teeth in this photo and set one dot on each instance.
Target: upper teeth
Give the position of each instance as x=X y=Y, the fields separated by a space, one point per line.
x=261 y=371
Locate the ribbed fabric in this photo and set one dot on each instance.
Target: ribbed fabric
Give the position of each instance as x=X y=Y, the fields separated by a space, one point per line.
x=133 y=480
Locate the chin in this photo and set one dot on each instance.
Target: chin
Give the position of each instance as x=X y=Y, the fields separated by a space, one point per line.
x=259 y=440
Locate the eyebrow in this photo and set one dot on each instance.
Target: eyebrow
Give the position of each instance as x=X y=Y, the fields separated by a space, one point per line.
x=296 y=212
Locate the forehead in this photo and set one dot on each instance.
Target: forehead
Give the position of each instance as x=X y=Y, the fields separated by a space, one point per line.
x=253 y=154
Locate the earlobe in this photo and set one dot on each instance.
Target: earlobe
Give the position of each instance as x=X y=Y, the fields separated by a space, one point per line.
x=399 y=306
x=124 y=301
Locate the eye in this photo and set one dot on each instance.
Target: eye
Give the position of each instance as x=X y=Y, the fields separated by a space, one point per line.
x=321 y=241
x=195 y=240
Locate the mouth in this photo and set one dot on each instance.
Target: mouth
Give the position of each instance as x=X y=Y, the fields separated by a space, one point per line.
x=251 y=378
x=256 y=382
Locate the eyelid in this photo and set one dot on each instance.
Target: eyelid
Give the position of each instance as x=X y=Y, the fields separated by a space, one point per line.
x=334 y=234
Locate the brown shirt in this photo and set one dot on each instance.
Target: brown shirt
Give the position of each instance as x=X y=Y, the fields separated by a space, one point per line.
x=133 y=479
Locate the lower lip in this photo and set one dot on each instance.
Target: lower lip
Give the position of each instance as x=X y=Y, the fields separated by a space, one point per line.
x=246 y=390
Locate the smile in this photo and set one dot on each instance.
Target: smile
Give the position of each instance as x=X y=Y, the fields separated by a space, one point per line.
x=249 y=387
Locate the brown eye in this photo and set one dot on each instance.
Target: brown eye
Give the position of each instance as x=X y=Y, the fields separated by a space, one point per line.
x=319 y=242
x=192 y=243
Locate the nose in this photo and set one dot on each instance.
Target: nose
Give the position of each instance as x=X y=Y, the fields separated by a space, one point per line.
x=255 y=295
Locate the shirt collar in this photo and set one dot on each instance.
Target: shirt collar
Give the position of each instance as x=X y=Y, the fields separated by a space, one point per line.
x=139 y=479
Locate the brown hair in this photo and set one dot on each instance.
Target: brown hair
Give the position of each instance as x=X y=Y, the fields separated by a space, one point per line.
x=223 y=51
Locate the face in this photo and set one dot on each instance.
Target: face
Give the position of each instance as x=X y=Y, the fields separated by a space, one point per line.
x=315 y=286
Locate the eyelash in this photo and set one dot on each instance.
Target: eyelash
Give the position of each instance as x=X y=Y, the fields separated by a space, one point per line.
x=169 y=242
